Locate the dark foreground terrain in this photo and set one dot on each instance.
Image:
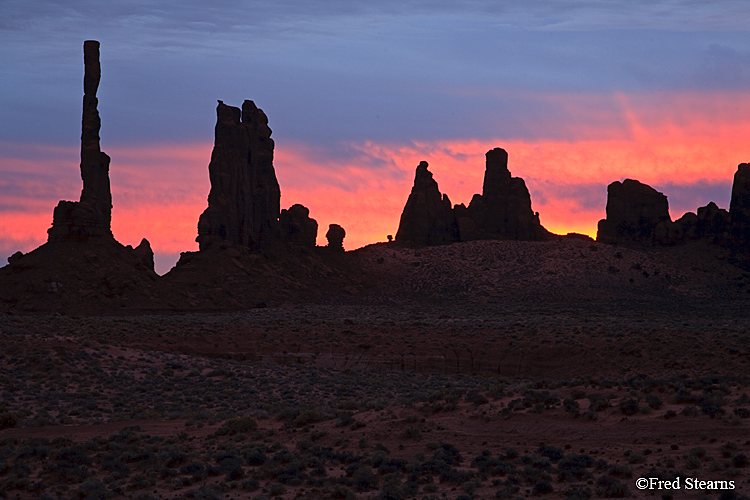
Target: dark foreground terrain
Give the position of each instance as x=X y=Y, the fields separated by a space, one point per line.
x=469 y=371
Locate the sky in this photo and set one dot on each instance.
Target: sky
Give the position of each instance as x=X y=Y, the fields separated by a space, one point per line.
x=581 y=93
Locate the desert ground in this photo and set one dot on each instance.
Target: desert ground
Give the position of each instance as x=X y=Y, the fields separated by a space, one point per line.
x=488 y=369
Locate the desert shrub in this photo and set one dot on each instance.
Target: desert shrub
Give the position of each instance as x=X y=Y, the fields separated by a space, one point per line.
x=255 y=456
x=620 y=471
x=307 y=417
x=391 y=465
x=685 y=395
x=598 y=402
x=542 y=488
x=654 y=402
x=574 y=467
x=448 y=454
x=391 y=491
x=8 y=420
x=363 y=479
x=341 y=492
x=196 y=469
x=276 y=489
x=345 y=418
x=692 y=462
x=471 y=486
x=238 y=425
x=232 y=468
x=571 y=406
x=609 y=487
x=629 y=406
x=740 y=461
x=204 y=493
x=636 y=458
x=742 y=412
x=93 y=489
x=477 y=399
x=507 y=493
x=578 y=493
x=455 y=476
x=250 y=485
x=554 y=454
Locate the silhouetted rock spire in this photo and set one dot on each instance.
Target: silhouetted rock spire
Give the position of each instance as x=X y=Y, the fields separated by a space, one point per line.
x=91 y=216
x=244 y=201
x=427 y=218
x=503 y=211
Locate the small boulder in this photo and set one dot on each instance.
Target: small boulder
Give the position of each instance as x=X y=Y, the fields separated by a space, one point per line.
x=297 y=227
x=335 y=237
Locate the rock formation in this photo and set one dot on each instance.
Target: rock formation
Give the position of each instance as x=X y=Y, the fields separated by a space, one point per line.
x=739 y=209
x=297 y=227
x=244 y=201
x=91 y=216
x=502 y=211
x=713 y=224
x=427 y=218
x=634 y=210
x=335 y=237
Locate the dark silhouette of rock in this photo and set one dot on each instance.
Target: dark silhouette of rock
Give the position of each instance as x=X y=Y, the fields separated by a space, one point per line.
x=244 y=201
x=145 y=254
x=634 y=211
x=91 y=216
x=427 y=218
x=335 y=237
x=503 y=211
x=739 y=208
x=297 y=227
x=713 y=224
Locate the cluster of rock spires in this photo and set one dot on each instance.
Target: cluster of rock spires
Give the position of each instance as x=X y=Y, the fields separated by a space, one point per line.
x=502 y=211
x=638 y=215
x=244 y=201
x=244 y=220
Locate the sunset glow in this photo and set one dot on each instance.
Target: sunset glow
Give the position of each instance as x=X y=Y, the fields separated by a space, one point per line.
x=160 y=190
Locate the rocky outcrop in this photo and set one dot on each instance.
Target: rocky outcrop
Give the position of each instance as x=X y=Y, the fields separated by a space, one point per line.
x=502 y=211
x=144 y=253
x=244 y=201
x=713 y=224
x=427 y=218
x=335 y=237
x=634 y=212
x=297 y=228
x=739 y=209
x=91 y=216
